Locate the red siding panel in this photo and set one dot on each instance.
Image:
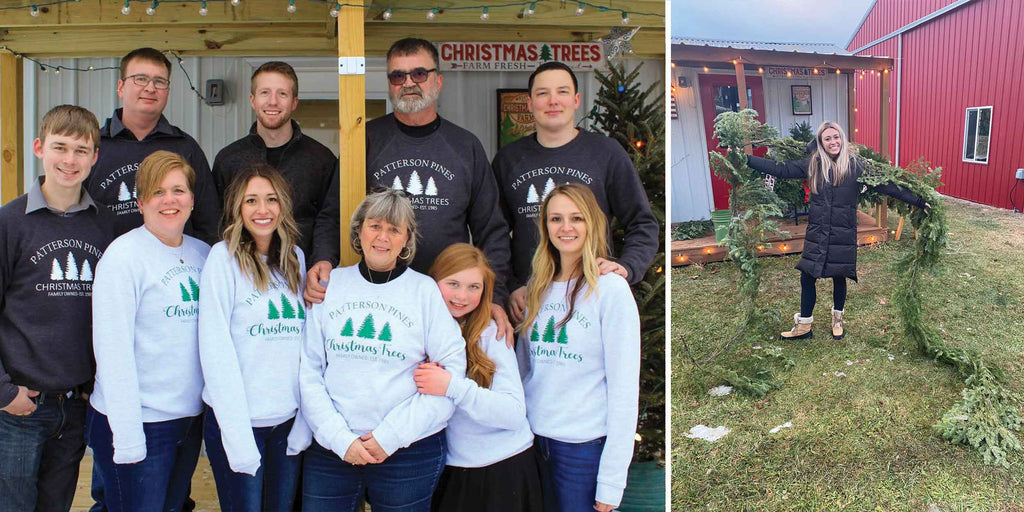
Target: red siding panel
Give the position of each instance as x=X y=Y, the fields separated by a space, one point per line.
x=968 y=58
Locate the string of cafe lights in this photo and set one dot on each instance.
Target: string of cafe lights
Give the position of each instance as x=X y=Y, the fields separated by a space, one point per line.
x=526 y=8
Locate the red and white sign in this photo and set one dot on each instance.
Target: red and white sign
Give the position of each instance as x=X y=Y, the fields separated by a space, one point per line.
x=518 y=56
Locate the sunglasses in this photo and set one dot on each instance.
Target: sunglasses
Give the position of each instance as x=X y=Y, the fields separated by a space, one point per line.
x=418 y=75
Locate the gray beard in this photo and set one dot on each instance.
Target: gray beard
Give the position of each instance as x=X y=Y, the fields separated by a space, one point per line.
x=412 y=105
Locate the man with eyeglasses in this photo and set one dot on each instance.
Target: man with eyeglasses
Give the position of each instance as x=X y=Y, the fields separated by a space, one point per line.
x=135 y=131
x=440 y=166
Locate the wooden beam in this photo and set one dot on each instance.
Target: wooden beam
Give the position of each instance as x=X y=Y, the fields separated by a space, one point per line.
x=352 y=129
x=883 y=136
x=12 y=160
x=741 y=83
x=851 y=104
x=100 y=12
x=305 y=38
x=683 y=52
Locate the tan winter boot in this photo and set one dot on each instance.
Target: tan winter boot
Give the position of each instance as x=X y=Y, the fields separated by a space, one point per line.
x=801 y=328
x=837 y=324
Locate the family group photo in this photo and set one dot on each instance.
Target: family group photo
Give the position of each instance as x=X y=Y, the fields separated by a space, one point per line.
x=290 y=255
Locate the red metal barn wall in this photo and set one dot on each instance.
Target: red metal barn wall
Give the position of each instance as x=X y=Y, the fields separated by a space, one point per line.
x=970 y=57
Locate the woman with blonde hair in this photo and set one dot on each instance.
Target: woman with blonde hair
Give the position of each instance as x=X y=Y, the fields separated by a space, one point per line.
x=374 y=434
x=583 y=334
x=490 y=460
x=145 y=423
x=250 y=337
x=830 y=247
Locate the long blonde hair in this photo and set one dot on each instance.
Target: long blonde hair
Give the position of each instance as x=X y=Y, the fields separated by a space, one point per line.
x=546 y=260
x=281 y=258
x=822 y=167
x=456 y=258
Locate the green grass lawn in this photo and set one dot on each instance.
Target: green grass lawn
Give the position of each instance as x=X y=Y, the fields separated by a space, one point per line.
x=863 y=441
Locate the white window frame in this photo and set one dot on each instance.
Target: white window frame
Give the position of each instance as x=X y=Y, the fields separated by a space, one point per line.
x=977 y=125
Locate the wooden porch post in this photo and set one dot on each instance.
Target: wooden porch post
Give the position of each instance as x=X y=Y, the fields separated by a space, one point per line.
x=851 y=106
x=741 y=92
x=12 y=160
x=352 y=122
x=883 y=135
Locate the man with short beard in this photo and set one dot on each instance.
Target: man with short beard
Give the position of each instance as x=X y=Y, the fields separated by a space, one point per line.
x=310 y=169
x=440 y=166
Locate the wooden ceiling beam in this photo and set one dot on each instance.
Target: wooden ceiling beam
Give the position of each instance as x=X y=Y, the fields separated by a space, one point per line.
x=550 y=12
x=309 y=38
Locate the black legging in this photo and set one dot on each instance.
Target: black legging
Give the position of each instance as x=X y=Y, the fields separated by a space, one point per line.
x=808 y=295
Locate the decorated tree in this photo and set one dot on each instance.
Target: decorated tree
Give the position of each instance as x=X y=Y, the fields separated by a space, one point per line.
x=635 y=117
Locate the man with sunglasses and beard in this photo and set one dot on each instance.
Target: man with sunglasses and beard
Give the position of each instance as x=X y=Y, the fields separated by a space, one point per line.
x=440 y=166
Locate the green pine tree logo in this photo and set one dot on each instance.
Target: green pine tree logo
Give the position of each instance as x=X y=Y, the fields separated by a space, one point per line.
x=534 y=333
x=562 y=338
x=385 y=332
x=347 y=330
x=549 y=331
x=190 y=294
x=545 y=53
x=287 y=310
x=366 y=330
x=272 y=313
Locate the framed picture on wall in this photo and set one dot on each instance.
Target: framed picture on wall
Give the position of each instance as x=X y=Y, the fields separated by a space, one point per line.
x=801 y=99
x=514 y=118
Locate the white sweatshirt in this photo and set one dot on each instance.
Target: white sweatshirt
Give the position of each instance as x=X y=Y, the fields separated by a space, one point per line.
x=361 y=347
x=489 y=424
x=249 y=345
x=145 y=315
x=584 y=381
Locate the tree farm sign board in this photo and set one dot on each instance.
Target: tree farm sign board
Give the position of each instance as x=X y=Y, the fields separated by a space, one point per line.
x=487 y=56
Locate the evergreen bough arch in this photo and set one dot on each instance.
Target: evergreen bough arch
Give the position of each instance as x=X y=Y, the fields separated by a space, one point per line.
x=986 y=417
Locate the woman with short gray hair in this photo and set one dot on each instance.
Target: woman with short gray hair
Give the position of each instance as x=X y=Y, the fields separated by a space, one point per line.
x=373 y=431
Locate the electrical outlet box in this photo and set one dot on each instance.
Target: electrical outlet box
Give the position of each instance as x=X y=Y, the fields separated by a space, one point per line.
x=351 y=65
x=1020 y=174
x=215 y=92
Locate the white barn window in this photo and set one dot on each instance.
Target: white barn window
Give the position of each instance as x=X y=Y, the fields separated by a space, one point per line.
x=977 y=127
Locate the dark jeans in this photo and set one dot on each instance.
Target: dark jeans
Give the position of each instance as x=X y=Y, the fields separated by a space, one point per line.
x=808 y=295
x=568 y=473
x=273 y=487
x=404 y=482
x=40 y=454
x=158 y=483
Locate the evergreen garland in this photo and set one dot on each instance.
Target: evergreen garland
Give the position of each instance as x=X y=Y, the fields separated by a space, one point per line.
x=987 y=416
x=635 y=118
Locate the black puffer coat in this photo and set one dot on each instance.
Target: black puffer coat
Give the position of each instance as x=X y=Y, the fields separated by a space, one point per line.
x=830 y=246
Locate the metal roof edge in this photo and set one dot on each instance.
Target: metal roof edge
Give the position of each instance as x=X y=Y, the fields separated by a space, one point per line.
x=861 y=24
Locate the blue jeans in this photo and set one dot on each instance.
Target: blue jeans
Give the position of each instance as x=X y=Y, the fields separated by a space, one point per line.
x=40 y=454
x=404 y=482
x=568 y=473
x=158 y=483
x=273 y=487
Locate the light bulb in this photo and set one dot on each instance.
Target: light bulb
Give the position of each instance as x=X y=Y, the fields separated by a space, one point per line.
x=291 y=7
x=432 y=14
x=35 y=12
x=625 y=18
x=235 y=3
x=151 y=10
x=127 y=8
x=387 y=14
x=334 y=11
x=203 y=11
x=579 y=10
x=531 y=9
x=484 y=16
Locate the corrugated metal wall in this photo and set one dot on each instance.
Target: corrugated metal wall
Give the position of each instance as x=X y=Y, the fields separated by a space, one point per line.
x=828 y=102
x=889 y=15
x=690 y=168
x=967 y=58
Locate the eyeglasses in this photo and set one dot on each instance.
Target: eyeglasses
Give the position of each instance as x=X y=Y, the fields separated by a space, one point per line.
x=160 y=84
x=418 y=75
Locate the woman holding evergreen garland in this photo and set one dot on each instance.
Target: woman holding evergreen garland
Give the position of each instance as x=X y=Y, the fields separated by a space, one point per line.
x=583 y=333
x=491 y=463
x=830 y=246
x=145 y=423
x=374 y=433
x=250 y=338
